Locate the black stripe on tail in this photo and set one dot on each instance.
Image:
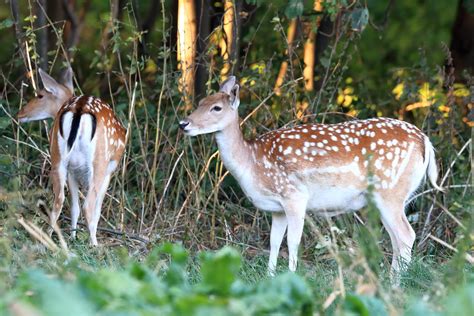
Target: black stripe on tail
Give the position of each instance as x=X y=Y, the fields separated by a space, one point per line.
x=76 y=120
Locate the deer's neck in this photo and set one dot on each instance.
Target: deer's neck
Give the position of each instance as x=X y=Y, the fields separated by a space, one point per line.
x=235 y=151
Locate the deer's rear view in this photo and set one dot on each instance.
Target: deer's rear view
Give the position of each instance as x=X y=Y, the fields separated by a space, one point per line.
x=325 y=168
x=86 y=144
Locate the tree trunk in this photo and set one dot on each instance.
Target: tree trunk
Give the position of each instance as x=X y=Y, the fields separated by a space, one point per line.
x=40 y=9
x=462 y=42
x=310 y=50
x=204 y=29
x=290 y=37
x=228 y=41
x=186 y=49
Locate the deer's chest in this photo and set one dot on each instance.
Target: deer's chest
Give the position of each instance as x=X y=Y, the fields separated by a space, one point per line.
x=261 y=198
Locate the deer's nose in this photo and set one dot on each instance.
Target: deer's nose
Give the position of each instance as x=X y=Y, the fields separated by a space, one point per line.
x=183 y=124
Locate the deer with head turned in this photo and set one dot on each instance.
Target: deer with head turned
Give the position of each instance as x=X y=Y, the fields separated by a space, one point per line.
x=322 y=168
x=86 y=142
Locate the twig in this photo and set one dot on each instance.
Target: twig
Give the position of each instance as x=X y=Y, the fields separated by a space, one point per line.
x=111 y=231
x=453 y=186
x=165 y=190
x=469 y=258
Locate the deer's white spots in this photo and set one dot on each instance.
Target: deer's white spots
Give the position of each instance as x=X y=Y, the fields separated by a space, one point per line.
x=288 y=151
x=381 y=151
x=373 y=146
x=347 y=148
x=334 y=138
x=363 y=151
x=280 y=148
x=298 y=152
x=335 y=148
x=304 y=130
x=389 y=155
x=378 y=164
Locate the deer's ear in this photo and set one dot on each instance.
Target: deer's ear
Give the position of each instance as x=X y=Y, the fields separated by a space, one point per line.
x=67 y=79
x=228 y=85
x=234 y=98
x=50 y=85
x=232 y=89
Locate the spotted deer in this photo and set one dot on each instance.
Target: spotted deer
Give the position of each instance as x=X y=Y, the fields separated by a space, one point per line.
x=325 y=168
x=86 y=142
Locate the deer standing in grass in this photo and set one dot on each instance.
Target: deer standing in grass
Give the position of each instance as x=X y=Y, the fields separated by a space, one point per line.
x=86 y=143
x=320 y=167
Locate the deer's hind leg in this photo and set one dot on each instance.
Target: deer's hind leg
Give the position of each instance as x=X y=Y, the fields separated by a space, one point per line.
x=401 y=233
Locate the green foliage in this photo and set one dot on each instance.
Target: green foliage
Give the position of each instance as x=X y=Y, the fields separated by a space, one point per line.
x=294 y=9
x=137 y=290
x=364 y=305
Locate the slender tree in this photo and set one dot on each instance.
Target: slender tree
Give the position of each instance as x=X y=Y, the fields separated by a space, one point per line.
x=290 y=37
x=462 y=42
x=186 y=49
x=228 y=41
x=310 y=49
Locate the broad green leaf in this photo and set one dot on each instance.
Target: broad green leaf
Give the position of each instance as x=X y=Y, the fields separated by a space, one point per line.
x=219 y=270
x=364 y=305
x=359 y=19
x=294 y=9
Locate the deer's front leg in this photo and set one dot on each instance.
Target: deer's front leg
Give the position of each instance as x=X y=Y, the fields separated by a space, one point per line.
x=279 y=224
x=295 y=212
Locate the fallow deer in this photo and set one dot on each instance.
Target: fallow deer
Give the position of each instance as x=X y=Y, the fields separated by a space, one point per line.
x=325 y=168
x=86 y=142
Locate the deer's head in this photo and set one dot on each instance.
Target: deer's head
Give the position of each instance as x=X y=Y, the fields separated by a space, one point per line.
x=49 y=100
x=214 y=112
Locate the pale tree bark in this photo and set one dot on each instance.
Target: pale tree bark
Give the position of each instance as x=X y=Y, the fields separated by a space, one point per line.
x=228 y=41
x=186 y=49
x=310 y=50
x=290 y=37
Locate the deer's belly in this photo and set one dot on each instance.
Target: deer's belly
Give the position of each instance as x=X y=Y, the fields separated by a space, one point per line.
x=338 y=199
x=264 y=202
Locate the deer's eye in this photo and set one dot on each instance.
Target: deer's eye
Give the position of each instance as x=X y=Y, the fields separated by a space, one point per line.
x=40 y=96
x=216 y=108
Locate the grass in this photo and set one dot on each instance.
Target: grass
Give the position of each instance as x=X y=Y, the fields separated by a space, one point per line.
x=425 y=282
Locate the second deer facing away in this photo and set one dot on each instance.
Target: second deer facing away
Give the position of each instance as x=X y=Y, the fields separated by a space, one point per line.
x=86 y=144
x=320 y=167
